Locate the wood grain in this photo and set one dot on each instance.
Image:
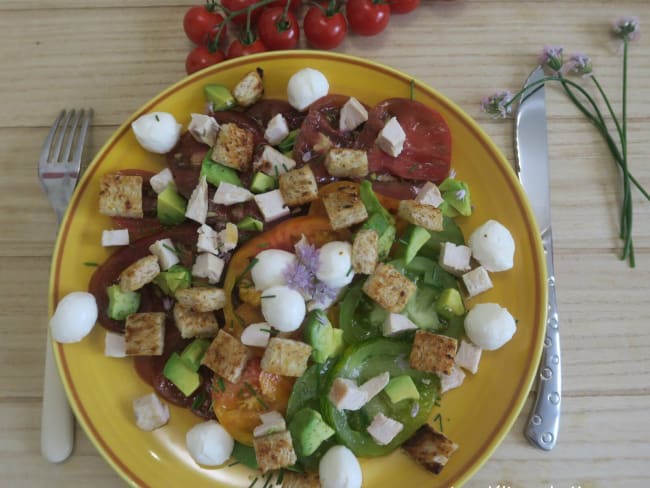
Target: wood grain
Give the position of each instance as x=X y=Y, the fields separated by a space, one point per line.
x=114 y=55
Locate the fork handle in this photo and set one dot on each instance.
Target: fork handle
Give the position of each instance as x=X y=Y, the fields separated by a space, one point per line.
x=57 y=421
x=544 y=421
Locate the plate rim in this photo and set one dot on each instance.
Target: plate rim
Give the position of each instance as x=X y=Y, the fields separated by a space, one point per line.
x=505 y=424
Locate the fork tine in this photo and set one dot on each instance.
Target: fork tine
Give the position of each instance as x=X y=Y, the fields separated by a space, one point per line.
x=81 y=140
x=47 y=145
x=65 y=156
x=59 y=139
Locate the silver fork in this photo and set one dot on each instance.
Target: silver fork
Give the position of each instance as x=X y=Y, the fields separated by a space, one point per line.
x=59 y=168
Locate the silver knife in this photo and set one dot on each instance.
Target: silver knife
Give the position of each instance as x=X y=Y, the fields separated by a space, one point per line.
x=531 y=152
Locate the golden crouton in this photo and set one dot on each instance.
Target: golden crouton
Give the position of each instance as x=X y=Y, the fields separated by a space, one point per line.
x=364 y=251
x=298 y=186
x=274 y=451
x=291 y=479
x=140 y=273
x=194 y=324
x=234 y=147
x=347 y=163
x=421 y=214
x=389 y=288
x=144 y=334
x=344 y=206
x=201 y=298
x=250 y=89
x=430 y=448
x=286 y=357
x=226 y=356
x=433 y=353
x=121 y=196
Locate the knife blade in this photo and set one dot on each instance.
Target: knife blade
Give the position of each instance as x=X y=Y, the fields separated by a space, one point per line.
x=532 y=167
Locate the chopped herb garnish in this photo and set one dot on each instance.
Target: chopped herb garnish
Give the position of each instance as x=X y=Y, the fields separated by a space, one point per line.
x=234 y=463
x=277 y=172
x=172 y=249
x=285 y=167
x=268 y=296
x=438 y=418
x=252 y=263
x=253 y=483
x=266 y=330
x=222 y=385
x=268 y=478
x=157 y=118
x=198 y=401
x=254 y=393
x=280 y=477
x=436 y=403
x=91 y=263
x=412 y=168
x=263 y=244
x=349 y=271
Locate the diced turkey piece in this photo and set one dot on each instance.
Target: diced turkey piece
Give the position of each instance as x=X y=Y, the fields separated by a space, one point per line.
x=451 y=380
x=375 y=385
x=276 y=130
x=229 y=194
x=256 y=335
x=208 y=240
x=118 y=237
x=429 y=194
x=204 y=128
x=353 y=114
x=271 y=422
x=197 y=206
x=114 y=345
x=454 y=259
x=208 y=266
x=272 y=205
x=273 y=162
x=150 y=412
x=391 y=138
x=384 y=429
x=162 y=180
x=346 y=395
x=166 y=253
x=477 y=281
x=396 y=323
x=468 y=356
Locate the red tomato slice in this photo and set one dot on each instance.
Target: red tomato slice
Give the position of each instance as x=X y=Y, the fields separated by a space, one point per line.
x=266 y=109
x=427 y=149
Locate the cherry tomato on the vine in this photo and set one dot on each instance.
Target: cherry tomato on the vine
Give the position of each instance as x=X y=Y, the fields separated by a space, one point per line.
x=233 y=5
x=367 y=17
x=276 y=30
x=201 y=25
x=403 y=6
x=239 y=48
x=324 y=29
x=200 y=57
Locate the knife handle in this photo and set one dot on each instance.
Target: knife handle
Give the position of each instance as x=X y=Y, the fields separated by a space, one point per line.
x=544 y=421
x=57 y=420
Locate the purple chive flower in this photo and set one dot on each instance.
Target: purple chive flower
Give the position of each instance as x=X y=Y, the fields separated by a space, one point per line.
x=460 y=194
x=307 y=254
x=323 y=293
x=627 y=28
x=452 y=173
x=498 y=104
x=552 y=57
x=579 y=64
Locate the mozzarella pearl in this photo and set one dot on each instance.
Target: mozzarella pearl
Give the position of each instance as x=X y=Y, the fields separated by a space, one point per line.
x=157 y=132
x=335 y=264
x=74 y=317
x=305 y=87
x=283 y=308
x=269 y=268
x=493 y=246
x=489 y=326
x=339 y=468
x=209 y=443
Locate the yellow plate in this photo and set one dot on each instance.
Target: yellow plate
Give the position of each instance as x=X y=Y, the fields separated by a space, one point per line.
x=477 y=416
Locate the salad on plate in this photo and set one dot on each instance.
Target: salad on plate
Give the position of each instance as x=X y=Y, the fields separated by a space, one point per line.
x=295 y=276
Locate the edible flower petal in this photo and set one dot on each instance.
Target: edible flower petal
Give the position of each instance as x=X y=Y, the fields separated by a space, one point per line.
x=497 y=105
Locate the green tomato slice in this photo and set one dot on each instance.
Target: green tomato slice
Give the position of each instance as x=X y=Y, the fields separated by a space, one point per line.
x=362 y=362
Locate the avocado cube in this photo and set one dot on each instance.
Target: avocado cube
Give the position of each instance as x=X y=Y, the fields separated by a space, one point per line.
x=450 y=303
x=418 y=237
x=220 y=96
x=194 y=352
x=181 y=375
x=455 y=194
x=121 y=303
x=175 y=278
x=402 y=388
x=215 y=172
x=170 y=206
x=250 y=223
x=308 y=431
x=320 y=335
x=262 y=183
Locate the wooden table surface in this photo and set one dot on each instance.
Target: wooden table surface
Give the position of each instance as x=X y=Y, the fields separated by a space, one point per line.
x=114 y=55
